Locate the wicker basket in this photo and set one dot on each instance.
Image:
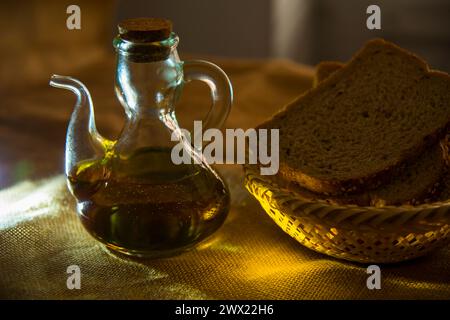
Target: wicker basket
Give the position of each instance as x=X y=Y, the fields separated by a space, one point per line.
x=361 y=234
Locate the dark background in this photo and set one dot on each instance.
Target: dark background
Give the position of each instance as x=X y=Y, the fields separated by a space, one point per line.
x=36 y=42
x=306 y=31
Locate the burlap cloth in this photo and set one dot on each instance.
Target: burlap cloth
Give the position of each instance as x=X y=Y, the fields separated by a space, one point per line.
x=249 y=257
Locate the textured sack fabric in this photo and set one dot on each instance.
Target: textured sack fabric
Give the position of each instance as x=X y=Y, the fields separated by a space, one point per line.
x=248 y=258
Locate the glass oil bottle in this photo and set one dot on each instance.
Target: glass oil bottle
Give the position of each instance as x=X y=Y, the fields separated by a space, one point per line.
x=130 y=195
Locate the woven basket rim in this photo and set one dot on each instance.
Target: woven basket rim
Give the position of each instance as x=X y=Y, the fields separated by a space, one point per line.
x=315 y=223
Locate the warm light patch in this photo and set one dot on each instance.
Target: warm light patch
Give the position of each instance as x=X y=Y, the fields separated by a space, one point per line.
x=27 y=200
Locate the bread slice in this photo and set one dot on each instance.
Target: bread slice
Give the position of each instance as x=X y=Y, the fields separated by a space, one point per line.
x=417 y=182
x=324 y=69
x=351 y=131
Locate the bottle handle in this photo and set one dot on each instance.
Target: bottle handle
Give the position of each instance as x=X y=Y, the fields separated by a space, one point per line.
x=220 y=86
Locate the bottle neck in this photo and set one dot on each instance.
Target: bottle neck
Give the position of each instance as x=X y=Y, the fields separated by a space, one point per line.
x=148 y=76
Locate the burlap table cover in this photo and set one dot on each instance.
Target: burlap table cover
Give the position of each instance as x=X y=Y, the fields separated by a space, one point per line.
x=248 y=258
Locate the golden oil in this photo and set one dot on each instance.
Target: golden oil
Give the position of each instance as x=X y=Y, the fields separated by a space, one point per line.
x=144 y=205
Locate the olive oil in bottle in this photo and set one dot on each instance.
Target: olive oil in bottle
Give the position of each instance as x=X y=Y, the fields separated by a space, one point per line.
x=144 y=205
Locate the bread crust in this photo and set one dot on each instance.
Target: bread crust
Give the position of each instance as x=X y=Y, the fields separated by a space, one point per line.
x=428 y=193
x=324 y=69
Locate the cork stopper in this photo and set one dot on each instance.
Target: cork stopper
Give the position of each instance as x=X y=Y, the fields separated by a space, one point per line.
x=145 y=29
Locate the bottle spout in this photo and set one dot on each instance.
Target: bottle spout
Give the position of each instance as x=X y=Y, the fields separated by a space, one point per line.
x=83 y=142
